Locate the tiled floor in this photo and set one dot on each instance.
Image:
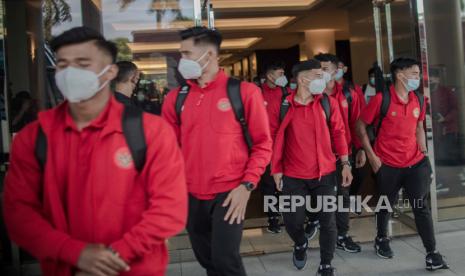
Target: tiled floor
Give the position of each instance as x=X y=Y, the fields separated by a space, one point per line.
x=259 y=242
x=409 y=260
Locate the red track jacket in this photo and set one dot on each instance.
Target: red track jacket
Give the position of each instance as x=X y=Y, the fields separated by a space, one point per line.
x=90 y=192
x=215 y=152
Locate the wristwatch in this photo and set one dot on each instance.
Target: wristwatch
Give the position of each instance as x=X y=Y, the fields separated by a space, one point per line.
x=346 y=163
x=249 y=186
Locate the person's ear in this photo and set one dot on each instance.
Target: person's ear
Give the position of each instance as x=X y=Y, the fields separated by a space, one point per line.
x=112 y=72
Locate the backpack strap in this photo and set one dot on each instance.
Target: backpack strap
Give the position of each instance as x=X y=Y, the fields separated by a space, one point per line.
x=326 y=108
x=180 y=99
x=133 y=130
x=386 y=101
x=284 y=108
x=41 y=148
x=348 y=96
x=421 y=100
x=234 y=95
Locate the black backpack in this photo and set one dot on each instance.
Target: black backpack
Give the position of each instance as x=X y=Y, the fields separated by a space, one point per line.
x=133 y=130
x=234 y=95
x=385 y=107
x=324 y=104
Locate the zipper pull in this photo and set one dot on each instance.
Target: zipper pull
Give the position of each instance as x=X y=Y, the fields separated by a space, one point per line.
x=201 y=98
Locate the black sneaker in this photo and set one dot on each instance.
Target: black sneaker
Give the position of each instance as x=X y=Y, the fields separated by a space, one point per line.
x=435 y=261
x=300 y=256
x=273 y=225
x=383 y=249
x=311 y=229
x=326 y=270
x=348 y=245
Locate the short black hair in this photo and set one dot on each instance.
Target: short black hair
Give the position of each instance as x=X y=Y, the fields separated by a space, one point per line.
x=305 y=66
x=371 y=71
x=401 y=64
x=203 y=35
x=276 y=65
x=84 y=34
x=125 y=70
x=326 y=57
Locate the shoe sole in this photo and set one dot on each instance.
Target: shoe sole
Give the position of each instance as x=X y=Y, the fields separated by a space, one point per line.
x=437 y=267
x=273 y=232
x=318 y=273
x=299 y=269
x=381 y=256
x=348 y=250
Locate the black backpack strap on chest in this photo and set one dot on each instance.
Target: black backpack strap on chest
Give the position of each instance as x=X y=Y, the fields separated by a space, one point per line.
x=133 y=129
x=348 y=95
x=284 y=107
x=180 y=99
x=385 y=102
x=41 y=147
x=234 y=95
x=325 y=104
x=421 y=100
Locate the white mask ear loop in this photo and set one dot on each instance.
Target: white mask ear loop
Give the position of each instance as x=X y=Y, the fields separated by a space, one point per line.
x=101 y=73
x=200 y=58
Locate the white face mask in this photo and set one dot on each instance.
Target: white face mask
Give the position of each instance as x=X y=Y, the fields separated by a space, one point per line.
x=339 y=74
x=281 y=81
x=191 y=69
x=412 y=84
x=317 y=86
x=327 y=77
x=78 y=85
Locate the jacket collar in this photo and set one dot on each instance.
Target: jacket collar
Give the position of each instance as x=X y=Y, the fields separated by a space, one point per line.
x=220 y=78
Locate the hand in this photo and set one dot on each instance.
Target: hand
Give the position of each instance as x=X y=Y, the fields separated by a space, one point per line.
x=278 y=181
x=237 y=201
x=346 y=176
x=441 y=118
x=360 y=159
x=375 y=163
x=96 y=259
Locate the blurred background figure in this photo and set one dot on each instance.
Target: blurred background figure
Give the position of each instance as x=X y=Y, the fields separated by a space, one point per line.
x=126 y=82
x=24 y=110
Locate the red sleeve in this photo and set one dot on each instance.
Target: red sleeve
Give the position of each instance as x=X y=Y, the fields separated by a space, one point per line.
x=168 y=112
x=259 y=128
x=355 y=114
x=165 y=182
x=370 y=112
x=22 y=205
x=278 y=147
x=338 y=129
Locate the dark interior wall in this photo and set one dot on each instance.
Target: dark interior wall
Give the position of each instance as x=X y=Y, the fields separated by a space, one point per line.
x=289 y=56
x=343 y=53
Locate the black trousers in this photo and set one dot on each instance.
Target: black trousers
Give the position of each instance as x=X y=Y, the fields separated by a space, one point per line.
x=342 y=218
x=268 y=188
x=215 y=242
x=294 y=221
x=416 y=181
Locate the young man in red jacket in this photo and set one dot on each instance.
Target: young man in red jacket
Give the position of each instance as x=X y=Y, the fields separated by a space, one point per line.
x=86 y=209
x=349 y=104
x=274 y=91
x=304 y=160
x=399 y=158
x=221 y=169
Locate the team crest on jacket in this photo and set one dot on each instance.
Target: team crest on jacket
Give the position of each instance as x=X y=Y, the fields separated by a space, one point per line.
x=224 y=104
x=123 y=158
x=344 y=104
x=416 y=112
x=394 y=114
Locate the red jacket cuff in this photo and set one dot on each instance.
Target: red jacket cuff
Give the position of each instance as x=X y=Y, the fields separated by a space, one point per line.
x=71 y=251
x=124 y=251
x=248 y=177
